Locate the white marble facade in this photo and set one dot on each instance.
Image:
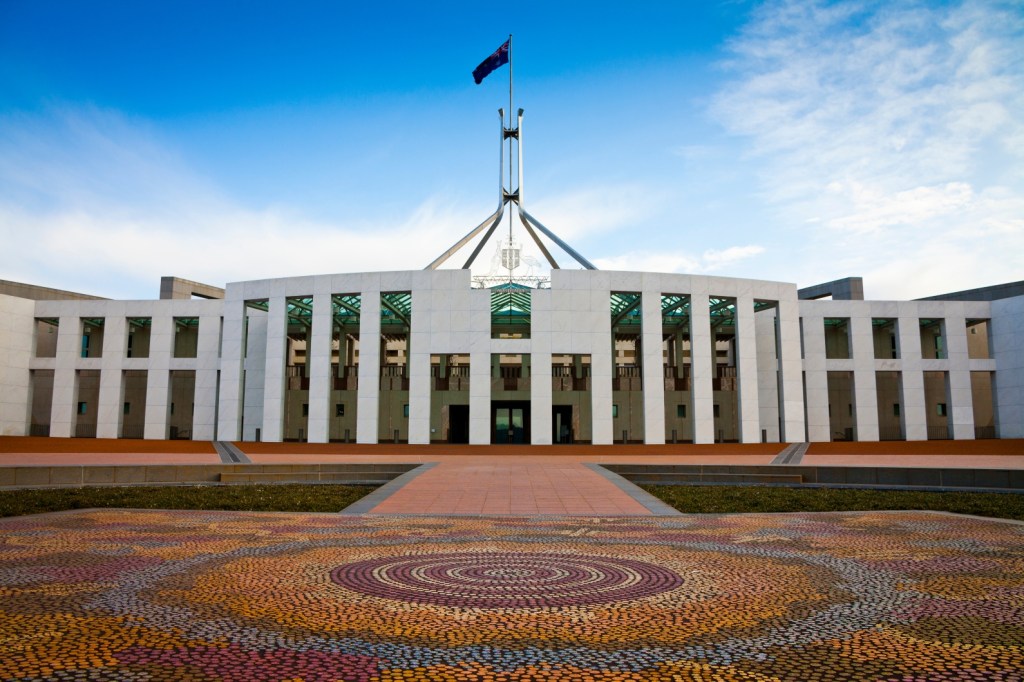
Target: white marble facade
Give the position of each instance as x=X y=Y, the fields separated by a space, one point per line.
x=782 y=365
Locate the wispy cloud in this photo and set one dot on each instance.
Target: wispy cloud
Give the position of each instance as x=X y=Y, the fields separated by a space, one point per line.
x=711 y=260
x=93 y=201
x=888 y=133
x=588 y=212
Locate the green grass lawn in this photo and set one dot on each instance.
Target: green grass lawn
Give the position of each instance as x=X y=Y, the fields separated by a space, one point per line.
x=290 y=498
x=715 y=499
x=333 y=498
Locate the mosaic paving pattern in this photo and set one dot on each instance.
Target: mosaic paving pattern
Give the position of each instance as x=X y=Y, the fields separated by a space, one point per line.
x=151 y=596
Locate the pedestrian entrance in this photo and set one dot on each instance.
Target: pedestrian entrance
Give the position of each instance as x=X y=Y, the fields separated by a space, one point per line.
x=510 y=422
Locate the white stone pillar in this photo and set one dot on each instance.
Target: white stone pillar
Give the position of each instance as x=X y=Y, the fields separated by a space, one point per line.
x=368 y=411
x=158 y=376
x=115 y=339
x=819 y=428
x=913 y=415
x=540 y=397
x=865 y=391
x=541 y=333
x=746 y=370
x=791 y=365
x=17 y=338
x=767 y=373
x=702 y=358
x=255 y=369
x=479 y=310
x=1007 y=329
x=480 y=396
x=961 y=400
x=318 y=364
x=419 y=366
x=65 y=380
x=274 y=374
x=602 y=367
x=204 y=417
x=653 y=367
x=232 y=356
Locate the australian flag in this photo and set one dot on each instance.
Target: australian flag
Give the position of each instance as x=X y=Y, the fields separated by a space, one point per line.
x=499 y=58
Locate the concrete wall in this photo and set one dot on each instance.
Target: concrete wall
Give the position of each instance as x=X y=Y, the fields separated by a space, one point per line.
x=1008 y=352
x=112 y=361
x=17 y=334
x=915 y=346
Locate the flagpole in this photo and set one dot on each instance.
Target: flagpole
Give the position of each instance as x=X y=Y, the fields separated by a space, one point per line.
x=510 y=119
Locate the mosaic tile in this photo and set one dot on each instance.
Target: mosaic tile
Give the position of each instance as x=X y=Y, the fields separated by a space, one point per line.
x=149 y=595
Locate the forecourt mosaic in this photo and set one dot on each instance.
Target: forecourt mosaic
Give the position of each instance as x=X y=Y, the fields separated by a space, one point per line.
x=141 y=595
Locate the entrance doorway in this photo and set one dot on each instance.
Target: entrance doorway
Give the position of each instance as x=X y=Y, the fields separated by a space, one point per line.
x=561 y=425
x=510 y=422
x=458 y=423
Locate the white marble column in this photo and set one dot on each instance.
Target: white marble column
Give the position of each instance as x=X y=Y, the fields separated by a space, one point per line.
x=1007 y=340
x=746 y=371
x=540 y=397
x=318 y=364
x=65 y=380
x=791 y=381
x=232 y=356
x=819 y=428
x=601 y=367
x=961 y=399
x=913 y=415
x=274 y=374
x=419 y=366
x=368 y=411
x=541 y=333
x=702 y=357
x=767 y=373
x=255 y=369
x=653 y=367
x=865 y=391
x=17 y=341
x=207 y=361
x=158 y=376
x=115 y=340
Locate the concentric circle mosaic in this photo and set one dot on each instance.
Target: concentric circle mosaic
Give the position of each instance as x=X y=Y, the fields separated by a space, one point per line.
x=162 y=596
x=492 y=580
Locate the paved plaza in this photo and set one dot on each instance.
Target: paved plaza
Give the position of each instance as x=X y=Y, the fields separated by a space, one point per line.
x=171 y=595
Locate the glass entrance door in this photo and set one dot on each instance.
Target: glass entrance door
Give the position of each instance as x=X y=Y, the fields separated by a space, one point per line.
x=510 y=423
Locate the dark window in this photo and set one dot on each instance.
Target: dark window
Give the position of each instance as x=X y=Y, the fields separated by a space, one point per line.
x=940 y=409
x=681 y=411
x=405 y=410
x=717 y=412
x=82 y=408
x=895 y=409
x=127 y=408
x=339 y=410
x=615 y=411
x=305 y=409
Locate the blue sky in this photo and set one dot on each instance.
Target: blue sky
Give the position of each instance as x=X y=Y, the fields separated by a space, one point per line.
x=792 y=141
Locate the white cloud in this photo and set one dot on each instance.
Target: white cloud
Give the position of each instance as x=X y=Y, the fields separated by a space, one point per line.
x=595 y=210
x=718 y=259
x=895 y=130
x=679 y=261
x=93 y=202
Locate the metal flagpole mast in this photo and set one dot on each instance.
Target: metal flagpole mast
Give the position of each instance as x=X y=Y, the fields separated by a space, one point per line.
x=510 y=119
